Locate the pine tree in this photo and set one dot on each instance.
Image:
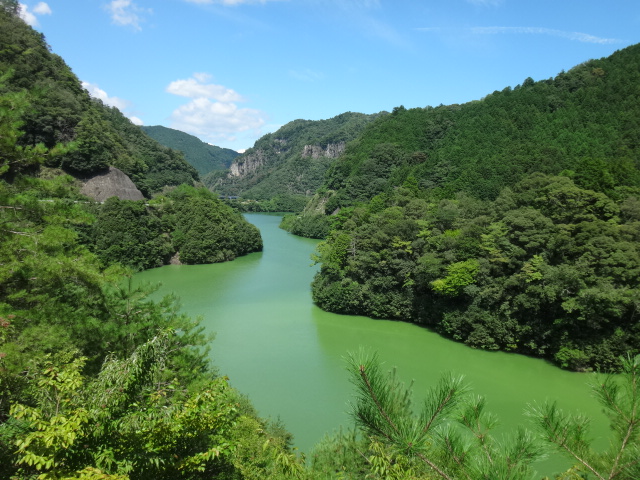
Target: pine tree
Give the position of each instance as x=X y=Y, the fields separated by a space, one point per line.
x=619 y=395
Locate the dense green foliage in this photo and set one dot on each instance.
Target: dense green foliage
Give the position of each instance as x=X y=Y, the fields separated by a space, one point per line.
x=311 y=222
x=450 y=217
x=583 y=123
x=208 y=231
x=310 y=226
x=202 y=156
x=185 y=222
x=129 y=233
x=61 y=112
x=547 y=269
x=278 y=163
x=96 y=380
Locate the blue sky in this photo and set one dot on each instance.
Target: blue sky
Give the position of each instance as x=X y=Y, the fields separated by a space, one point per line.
x=230 y=71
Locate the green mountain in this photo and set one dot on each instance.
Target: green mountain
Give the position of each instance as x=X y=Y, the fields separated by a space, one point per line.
x=509 y=223
x=202 y=156
x=291 y=161
x=583 y=122
x=60 y=111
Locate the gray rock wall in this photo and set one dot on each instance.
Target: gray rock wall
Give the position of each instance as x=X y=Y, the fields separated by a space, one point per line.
x=113 y=183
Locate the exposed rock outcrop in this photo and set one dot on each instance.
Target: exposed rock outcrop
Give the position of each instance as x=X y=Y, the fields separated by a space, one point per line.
x=332 y=150
x=112 y=183
x=175 y=259
x=247 y=164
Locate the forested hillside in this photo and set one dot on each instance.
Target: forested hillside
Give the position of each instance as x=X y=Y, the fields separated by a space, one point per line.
x=508 y=223
x=186 y=225
x=287 y=166
x=96 y=380
x=583 y=123
x=60 y=111
x=200 y=155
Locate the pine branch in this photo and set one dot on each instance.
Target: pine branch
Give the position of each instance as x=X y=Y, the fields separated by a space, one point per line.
x=558 y=434
x=374 y=397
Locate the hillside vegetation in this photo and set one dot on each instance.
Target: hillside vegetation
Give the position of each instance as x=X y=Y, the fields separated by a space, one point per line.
x=200 y=155
x=98 y=382
x=508 y=223
x=583 y=123
x=59 y=111
x=285 y=167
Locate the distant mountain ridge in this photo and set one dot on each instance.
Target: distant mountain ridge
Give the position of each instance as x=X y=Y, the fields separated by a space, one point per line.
x=291 y=161
x=202 y=156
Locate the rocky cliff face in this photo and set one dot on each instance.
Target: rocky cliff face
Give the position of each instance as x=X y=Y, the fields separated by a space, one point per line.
x=292 y=160
x=247 y=164
x=332 y=150
x=113 y=183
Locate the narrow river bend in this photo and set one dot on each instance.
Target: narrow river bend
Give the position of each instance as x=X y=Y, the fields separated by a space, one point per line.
x=287 y=355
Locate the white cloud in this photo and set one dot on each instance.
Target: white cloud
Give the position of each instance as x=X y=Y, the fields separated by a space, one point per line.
x=30 y=17
x=126 y=13
x=196 y=88
x=212 y=113
x=575 y=36
x=42 y=9
x=96 y=92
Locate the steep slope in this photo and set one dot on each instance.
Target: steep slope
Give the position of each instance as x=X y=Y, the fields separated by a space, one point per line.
x=61 y=112
x=585 y=122
x=292 y=160
x=202 y=156
x=81 y=347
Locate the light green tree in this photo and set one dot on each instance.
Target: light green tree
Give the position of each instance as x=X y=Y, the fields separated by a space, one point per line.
x=129 y=421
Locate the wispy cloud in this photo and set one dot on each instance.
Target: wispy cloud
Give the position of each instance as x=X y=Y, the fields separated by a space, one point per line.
x=228 y=2
x=126 y=13
x=123 y=105
x=42 y=9
x=306 y=75
x=355 y=4
x=213 y=112
x=29 y=16
x=384 y=31
x=486 y=3
x=365 y=16
x=574 y=36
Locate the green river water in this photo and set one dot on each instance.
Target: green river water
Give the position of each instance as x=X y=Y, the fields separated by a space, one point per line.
x=287 y=355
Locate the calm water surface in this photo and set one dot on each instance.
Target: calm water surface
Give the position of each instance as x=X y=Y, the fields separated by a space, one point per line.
x=287 y=355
